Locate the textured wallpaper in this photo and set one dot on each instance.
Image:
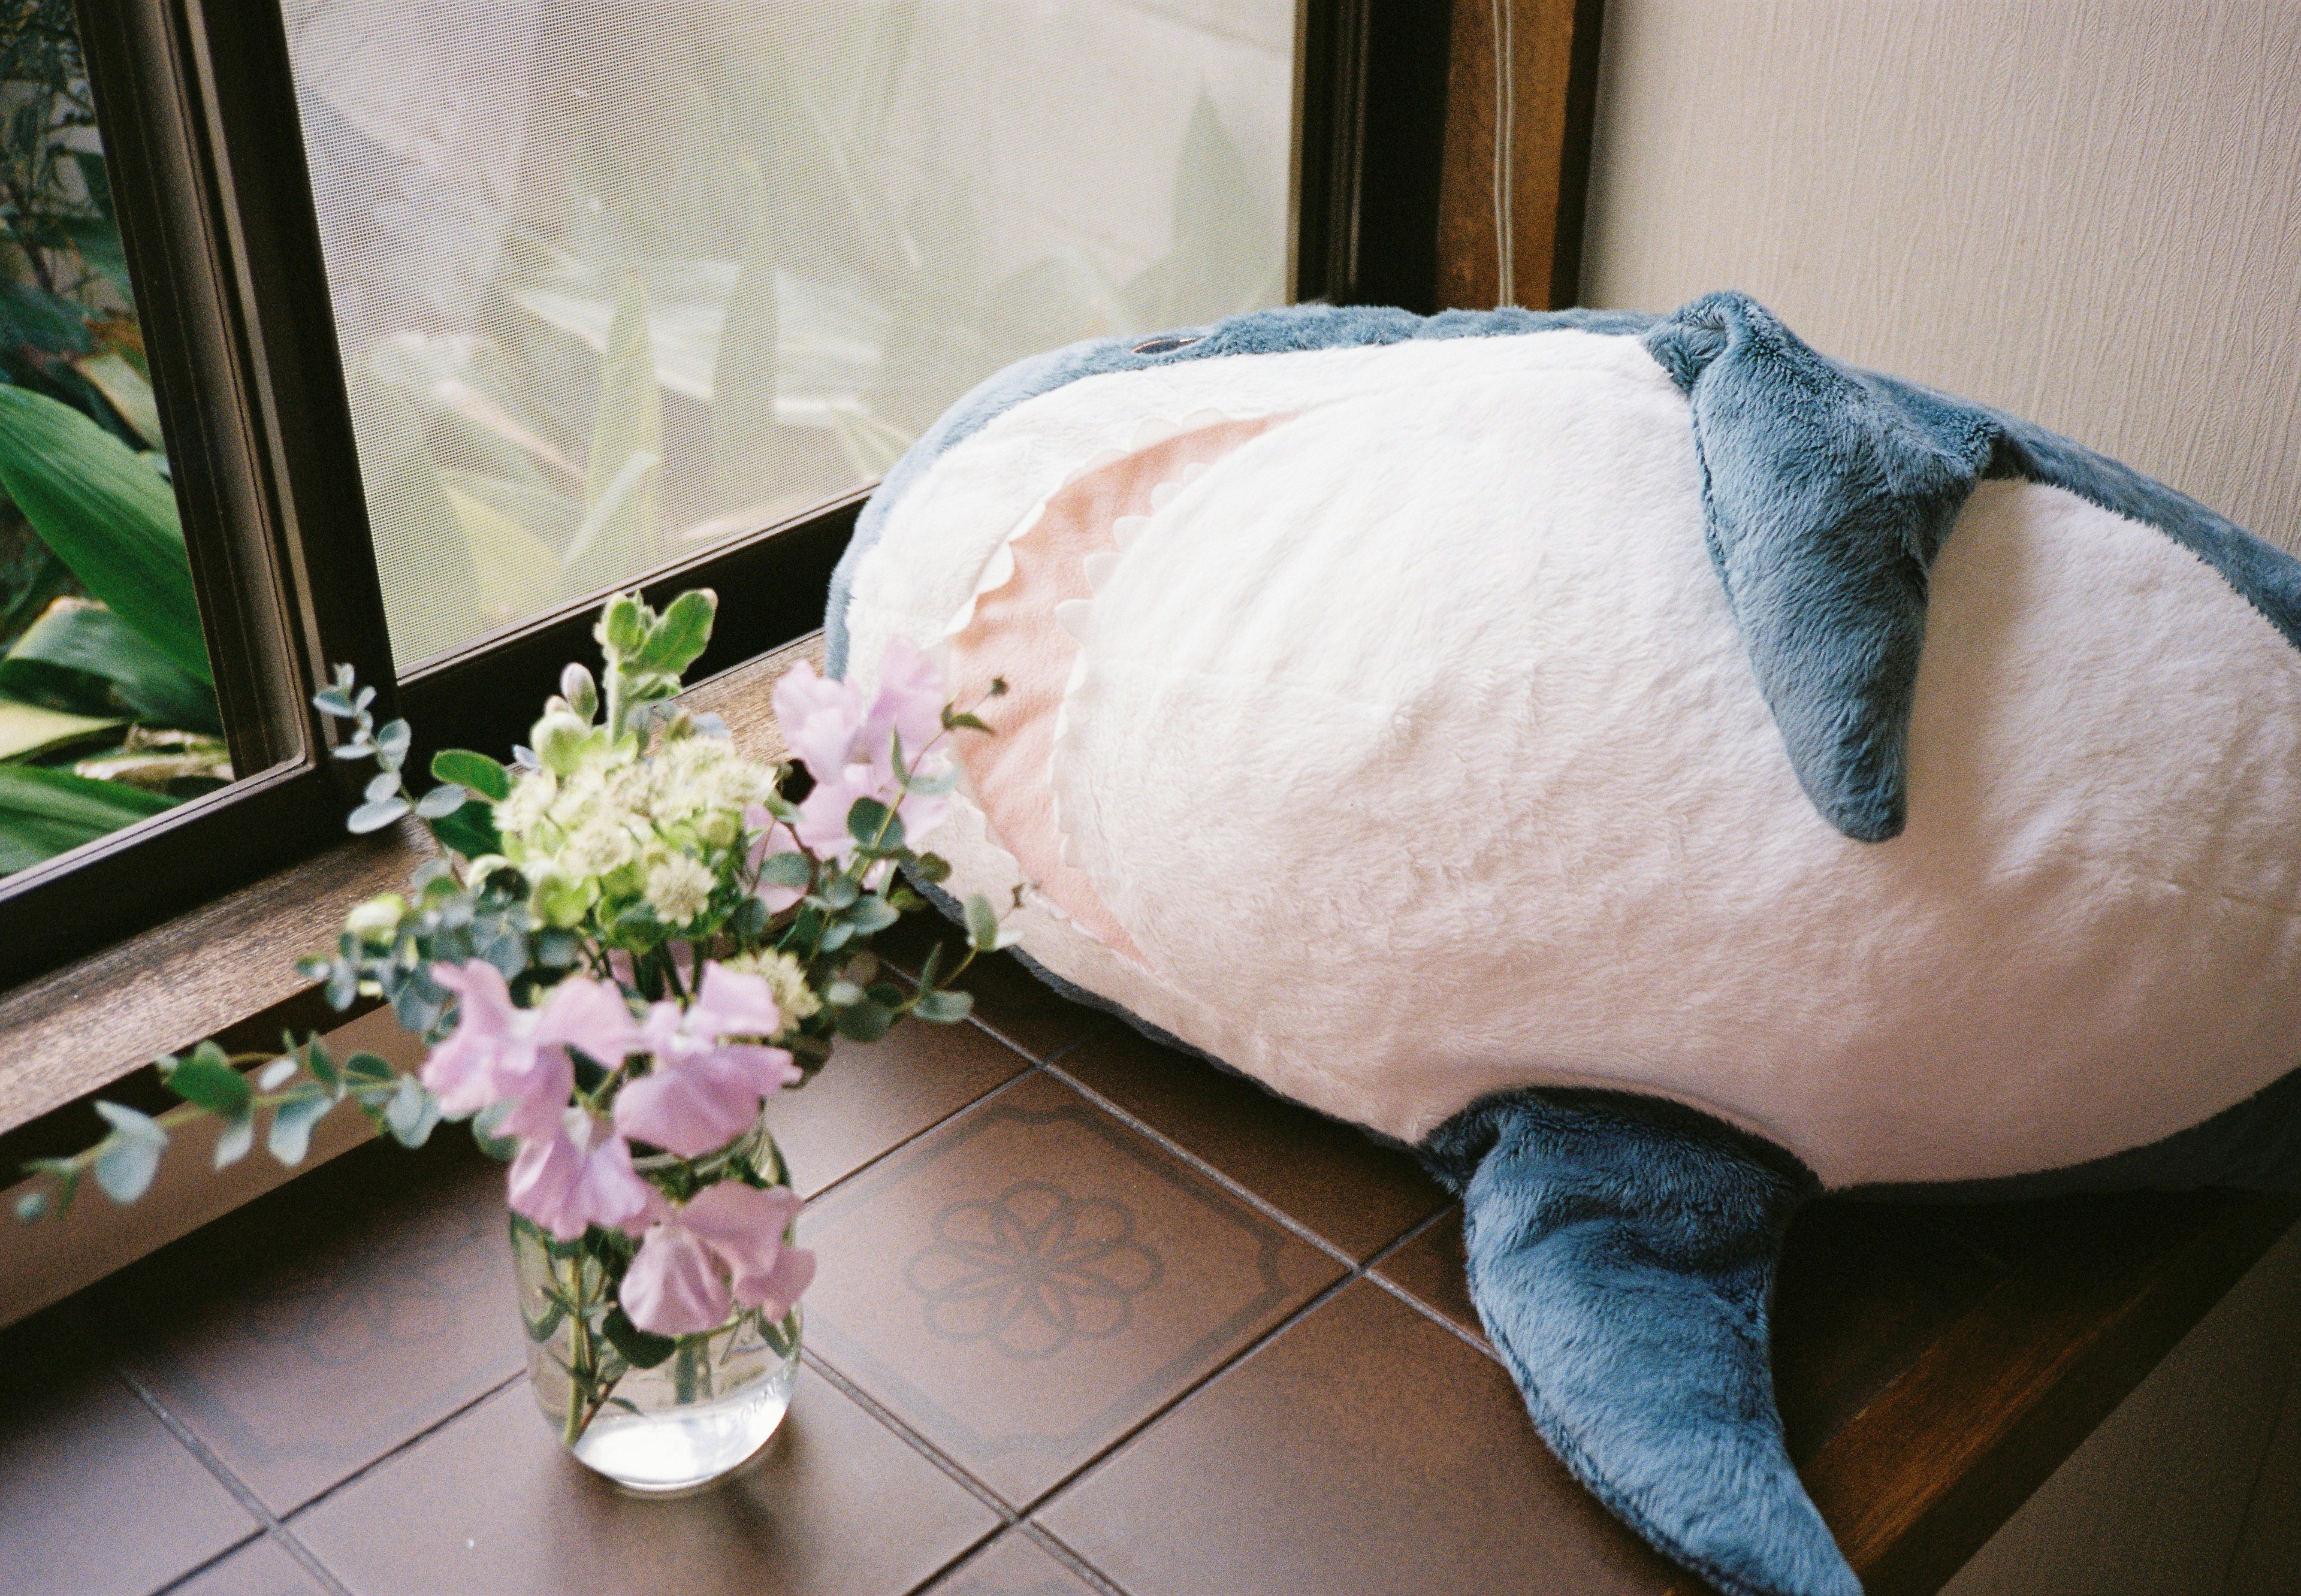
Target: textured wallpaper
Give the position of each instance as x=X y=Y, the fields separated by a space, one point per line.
x=2085 y=212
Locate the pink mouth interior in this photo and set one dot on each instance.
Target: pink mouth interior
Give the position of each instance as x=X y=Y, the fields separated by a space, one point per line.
x=1014 y=635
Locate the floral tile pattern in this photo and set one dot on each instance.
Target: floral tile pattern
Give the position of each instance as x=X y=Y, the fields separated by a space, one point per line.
x=1033 y=1279
x=1047 y=1356
x=1355 y=1193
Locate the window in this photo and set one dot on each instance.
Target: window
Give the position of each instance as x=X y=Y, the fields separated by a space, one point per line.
x=458 y=314
x=614 y=283
x=108 y=707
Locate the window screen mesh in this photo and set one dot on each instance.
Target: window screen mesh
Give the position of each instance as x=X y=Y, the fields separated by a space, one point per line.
x=616 y=280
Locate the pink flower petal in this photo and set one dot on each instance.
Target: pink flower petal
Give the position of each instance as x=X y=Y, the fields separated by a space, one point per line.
x=732 y=1004
x=579 y=1176
x=685 y=1110
x=774 y=1292
x=486 y=1008
x=742 y=1224
x=536 y=1082
x=673 y=1287
x=819 y=718
x=585 y=1014
x=909 y=704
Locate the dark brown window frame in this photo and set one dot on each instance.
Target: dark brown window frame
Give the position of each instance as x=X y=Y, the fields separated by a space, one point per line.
x=217 y=216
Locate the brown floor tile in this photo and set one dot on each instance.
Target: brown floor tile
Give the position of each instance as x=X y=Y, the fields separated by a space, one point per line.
x=1032 y=1280
x=96 y=1495
x=1429 y=1269
x=313 y=1331
x=1332 y=1177
x=1365 y=1450
x=836 y=1505
x=261 y=1568
x=869 y=1098
x=1014 y=1564
x=1014 y=1003
x=1865 y=1288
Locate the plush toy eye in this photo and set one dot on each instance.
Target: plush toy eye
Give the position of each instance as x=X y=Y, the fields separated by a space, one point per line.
x=1160 y=346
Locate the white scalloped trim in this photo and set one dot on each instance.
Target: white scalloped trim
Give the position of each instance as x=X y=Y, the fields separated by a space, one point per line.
x=1075 y=616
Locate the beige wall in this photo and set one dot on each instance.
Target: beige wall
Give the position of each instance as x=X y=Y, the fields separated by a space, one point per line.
x=2085 y=211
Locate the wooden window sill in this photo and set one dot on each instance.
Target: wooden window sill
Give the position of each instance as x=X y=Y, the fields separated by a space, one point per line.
x=226 y=970
x=229 y=966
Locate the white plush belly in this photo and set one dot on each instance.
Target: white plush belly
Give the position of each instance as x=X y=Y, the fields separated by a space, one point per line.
x=1415 y=751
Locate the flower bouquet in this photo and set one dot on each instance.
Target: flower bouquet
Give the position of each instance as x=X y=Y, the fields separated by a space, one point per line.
x=633 y=939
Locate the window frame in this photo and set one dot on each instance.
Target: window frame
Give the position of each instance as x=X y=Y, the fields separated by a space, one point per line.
x=196 y=109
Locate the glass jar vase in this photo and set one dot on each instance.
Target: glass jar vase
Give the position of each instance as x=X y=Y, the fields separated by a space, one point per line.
x=655 y=1414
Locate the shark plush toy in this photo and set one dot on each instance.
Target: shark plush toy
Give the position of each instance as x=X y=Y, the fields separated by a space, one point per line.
x=1658 y=771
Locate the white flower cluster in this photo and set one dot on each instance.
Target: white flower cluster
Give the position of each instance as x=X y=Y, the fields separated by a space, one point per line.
x=602 y=822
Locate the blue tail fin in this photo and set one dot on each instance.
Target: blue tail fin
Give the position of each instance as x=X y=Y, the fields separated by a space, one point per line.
x=1622 y=1254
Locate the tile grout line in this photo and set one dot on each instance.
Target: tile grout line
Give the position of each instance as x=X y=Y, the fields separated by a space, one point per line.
x=1477 y=1344
x=270 y=1525
x=401 y=1448
x=1317 y=1300
x=1356 y=1272
x=1009 y=1516
x=905 y=1432
x=1044 y=1539
x=181 y=1580
x=1167 y=1144
x=1031 y=1067
x=1413 y=1234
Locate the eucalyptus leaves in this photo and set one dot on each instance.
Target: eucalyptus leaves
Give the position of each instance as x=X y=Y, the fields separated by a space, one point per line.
x=632 y=941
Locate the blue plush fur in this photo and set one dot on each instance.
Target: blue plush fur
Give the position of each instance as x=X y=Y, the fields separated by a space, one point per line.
x=1825 y=497
x=1826 y=492
x=1621 y=1255
x=1622 y=1249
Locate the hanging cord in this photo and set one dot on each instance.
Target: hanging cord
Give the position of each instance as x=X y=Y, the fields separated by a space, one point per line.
x=1505 y=115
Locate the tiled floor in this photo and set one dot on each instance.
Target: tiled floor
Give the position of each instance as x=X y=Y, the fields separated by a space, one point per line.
x=1090 y=1318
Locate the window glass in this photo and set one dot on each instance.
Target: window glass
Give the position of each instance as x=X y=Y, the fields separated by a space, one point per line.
x=107 y=704
x=616 y=281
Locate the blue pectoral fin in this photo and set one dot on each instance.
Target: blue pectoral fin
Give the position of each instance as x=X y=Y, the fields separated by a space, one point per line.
x=1826 y=495
x=1622 y=1255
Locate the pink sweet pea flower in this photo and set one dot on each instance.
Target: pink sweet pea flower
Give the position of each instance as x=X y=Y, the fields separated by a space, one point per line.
x=705 y=1088
x=910 y=703
x=581 y=1174
x=819 y=717
x=724 y=1248
x=500 y=1054
x=848 y=747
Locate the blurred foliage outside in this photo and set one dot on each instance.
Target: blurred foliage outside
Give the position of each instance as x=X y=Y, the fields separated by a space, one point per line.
x=107 y=709
x=623 y=282
x=698 y=288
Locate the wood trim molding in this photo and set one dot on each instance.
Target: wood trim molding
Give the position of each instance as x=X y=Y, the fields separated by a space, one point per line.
x=1552 y=107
